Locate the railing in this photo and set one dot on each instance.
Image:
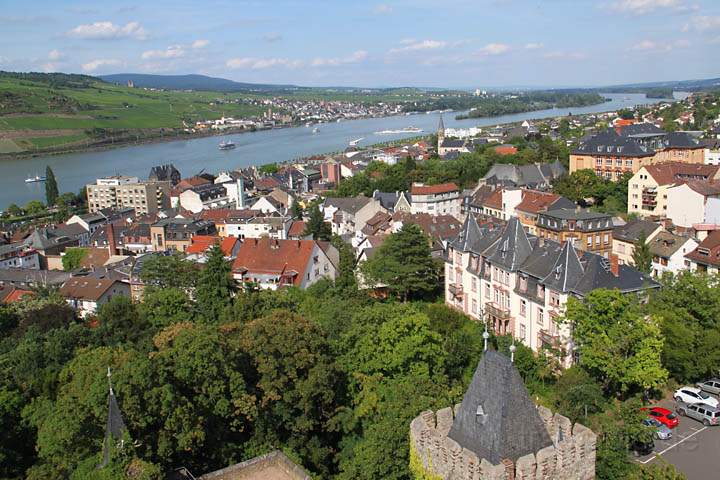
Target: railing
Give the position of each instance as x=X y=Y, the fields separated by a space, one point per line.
x=456 y=290
x=549 y=339
x=496 y=310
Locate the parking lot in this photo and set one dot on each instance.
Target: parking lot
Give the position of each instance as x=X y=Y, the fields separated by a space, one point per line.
x=694 y=449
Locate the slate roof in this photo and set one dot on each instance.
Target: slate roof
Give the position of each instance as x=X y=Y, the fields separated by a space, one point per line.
x=513 y=247
x=347 y=204
x=524 y=175
x=630 y=232
x=609 y=142
x=389 y=199
x=640 y=129
x=566 y=270
x=453 y=143
x=510 y=426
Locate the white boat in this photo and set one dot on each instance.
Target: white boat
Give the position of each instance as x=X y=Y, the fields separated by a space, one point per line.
x=353 y=143
x=403 y=130
x=226 y=145
x=35 y=179
x=315 y=130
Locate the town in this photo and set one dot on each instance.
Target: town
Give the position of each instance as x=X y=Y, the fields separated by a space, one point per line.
x=516 y=250
x=360 y=240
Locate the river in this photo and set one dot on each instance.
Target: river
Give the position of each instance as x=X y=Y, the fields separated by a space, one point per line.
x=191 y=156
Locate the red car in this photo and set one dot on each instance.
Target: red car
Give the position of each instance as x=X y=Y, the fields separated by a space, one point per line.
x=662 y=415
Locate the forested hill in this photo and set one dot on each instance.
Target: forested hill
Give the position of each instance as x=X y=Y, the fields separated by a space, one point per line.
x=192 y=82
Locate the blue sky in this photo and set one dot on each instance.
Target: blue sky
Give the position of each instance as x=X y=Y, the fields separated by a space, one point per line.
x=450 y=43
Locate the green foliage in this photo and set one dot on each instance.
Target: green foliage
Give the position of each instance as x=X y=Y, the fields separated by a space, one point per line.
x=34 y=207
x=578 y=395
x=642 y=256
x=73 y=257
x=165 y=271
x=688 y=309
x=51 y=187
x=119 y=322
x=346 y=275
x=403 y=263
x=215 y=286
x=316 y=225
x=163 y=307
x=619 y=346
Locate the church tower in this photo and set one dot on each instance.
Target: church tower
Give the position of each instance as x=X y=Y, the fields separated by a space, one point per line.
x=440 y=132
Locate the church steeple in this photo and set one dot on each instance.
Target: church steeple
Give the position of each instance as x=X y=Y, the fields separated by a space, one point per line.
x=441 y=131
x=115 y=428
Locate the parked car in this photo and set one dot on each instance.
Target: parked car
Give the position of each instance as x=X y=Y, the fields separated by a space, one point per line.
x=663 y=415
x=710 y=386
x=662 y=431
x=701 y=412
x=640 y=448
x=694 y=395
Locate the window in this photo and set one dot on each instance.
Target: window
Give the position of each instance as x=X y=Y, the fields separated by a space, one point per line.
x=522 y=332
x=474 y=306
x=589 y=241
x=606 y=238
x=554 y=299
x=474 y=285
x=523 y=308
x=540 y=316
x=621 y=247
x=451 y=274
x=597 y=239
x=487 y=292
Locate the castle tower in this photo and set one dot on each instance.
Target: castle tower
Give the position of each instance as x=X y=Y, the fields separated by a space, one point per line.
x=440 y=132
x=498 y=433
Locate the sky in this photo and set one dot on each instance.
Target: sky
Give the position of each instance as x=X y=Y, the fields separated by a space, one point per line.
x=426 y=43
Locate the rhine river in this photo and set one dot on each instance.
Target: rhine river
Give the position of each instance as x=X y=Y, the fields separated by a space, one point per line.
x=254 y=148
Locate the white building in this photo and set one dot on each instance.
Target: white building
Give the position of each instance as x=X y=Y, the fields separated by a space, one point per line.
x=694 y=202
x=711 y=153
x=19 y=255
x=669 y=253
x=439 y=199
x=87 y=294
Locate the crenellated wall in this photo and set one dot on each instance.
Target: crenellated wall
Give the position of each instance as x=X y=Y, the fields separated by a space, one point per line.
x=571 y=457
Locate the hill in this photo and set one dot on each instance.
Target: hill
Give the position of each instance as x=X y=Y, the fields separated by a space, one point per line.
x=192 y=82
x=58 y=112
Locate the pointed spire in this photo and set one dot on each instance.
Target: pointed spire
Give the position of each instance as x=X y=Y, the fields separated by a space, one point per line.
x=441 y=126
x=115 y=427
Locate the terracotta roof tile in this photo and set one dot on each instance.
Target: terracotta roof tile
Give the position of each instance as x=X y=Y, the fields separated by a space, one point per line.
x=670 y=172
x=87 y=288
x=274 y=257
x=534 y=201
x=433 y=189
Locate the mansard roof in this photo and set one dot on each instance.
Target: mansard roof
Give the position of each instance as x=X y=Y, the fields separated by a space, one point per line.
x=566 y=270
x=497 y=419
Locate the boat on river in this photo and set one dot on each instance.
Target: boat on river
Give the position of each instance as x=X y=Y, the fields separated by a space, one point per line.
x=226 y=145
x=35 y=179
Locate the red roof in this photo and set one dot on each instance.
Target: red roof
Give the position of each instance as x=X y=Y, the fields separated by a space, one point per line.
x=286 y=258
x=296 y=229
x=201 y=243
x=17 y=294
x=623 y=122
x=671 y=172
x=534 y=201
x=708 y=252
x=505 y=150
x=433 y=189
x=494 y=201
x=266 y=183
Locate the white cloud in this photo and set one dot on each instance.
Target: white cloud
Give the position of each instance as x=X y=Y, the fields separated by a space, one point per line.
x=200 y=43
x=104 y=62
x=382 y=9
x=261 y=63
x=412 y=45
x=272 y=37
x=702 y=23
x=50 y=67
x=494 y=49
x=652 y=46
x=565 y=55
x=55 y=55
x=108 y=30
x=355 y=57
x=533 y=46
x=641 y=7
x=173 y=51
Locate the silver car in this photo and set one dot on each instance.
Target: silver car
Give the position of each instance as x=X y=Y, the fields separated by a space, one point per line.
x=662 y=431
x=710 y=386
x=701 y=412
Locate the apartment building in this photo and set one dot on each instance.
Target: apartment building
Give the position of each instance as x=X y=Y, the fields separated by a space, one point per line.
x=520 y=284
x=614 y=152
x=128 y=192
x=591 y=231
x=694 y=202
x=626 y=237
x=647 y=189
x=435 y=199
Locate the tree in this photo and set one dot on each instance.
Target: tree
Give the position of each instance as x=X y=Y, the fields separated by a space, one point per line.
x=165 y=271
x=579 y=185
x=34 y=207
x=297 y=383
x=346 y=274
x=642 y=256
x=73 y=257
x=316 y=225
x=119 y=322
x=14 y=210
x=404 y=264
x=619 y=346
x=163 y=307
x=51 y=187
x=297 y=210
x=215 y=286
x=578 y=395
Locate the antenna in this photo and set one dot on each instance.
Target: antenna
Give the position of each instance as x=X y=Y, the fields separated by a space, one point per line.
x=485 y=336
x=512 y=351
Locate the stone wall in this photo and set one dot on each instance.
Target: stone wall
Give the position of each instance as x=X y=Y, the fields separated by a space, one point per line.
x=571 y=457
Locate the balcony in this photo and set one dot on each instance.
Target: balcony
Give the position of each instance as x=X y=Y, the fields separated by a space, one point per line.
x=497 y=311
x=548 y=339
x=455 y=289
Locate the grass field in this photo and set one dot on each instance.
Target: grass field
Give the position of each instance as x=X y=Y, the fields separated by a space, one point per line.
x=27 y=105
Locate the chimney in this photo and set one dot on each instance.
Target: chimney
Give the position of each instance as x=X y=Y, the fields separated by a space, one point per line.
x=614 y=264
x=110 y=232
